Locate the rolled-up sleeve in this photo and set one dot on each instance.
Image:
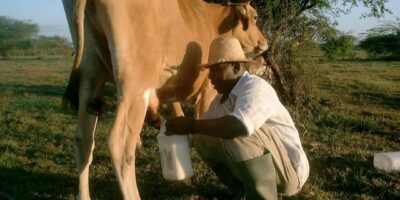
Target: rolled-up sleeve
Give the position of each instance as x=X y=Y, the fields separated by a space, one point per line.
x=253 y=107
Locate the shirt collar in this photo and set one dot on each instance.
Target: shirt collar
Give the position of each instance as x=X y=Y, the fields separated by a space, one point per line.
x=238 y=85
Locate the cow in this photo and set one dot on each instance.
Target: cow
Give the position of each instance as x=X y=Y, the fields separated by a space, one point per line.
x=151 y=50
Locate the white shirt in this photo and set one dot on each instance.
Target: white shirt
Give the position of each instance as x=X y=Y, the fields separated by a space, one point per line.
x=254 y=102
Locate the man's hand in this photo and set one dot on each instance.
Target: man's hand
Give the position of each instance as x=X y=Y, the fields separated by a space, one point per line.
x=154 y=120
x=179 y=126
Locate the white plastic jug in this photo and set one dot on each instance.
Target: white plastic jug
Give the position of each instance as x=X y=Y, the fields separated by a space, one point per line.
x=175 y=155
x=389 y=161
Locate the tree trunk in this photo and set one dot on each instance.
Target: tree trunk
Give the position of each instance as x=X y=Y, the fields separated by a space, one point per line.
x=282 y=85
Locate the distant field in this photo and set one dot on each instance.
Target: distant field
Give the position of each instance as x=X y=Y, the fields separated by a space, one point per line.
x=356 y=114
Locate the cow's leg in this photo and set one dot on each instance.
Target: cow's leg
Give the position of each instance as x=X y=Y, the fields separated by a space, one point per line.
x=124 y=136
x=123 y=140
x=90 y=92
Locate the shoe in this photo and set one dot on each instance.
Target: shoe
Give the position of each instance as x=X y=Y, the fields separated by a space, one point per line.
x=259 y=178
x=228 y=179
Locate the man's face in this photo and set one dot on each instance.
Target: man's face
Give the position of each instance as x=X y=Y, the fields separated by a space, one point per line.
x=221 y=76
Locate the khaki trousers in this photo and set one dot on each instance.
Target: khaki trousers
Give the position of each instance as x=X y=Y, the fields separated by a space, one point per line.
x=231 y=151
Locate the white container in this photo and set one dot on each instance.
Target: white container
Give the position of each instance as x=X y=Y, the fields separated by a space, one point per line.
x=389 y=161
x=175 y=155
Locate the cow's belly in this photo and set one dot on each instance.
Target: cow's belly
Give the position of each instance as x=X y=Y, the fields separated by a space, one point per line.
x=180 y=82
x=181 y=77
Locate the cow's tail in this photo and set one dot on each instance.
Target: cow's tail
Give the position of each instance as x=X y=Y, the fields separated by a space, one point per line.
x=71 y=94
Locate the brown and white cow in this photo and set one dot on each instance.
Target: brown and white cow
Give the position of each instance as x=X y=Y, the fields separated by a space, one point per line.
x=143 y=46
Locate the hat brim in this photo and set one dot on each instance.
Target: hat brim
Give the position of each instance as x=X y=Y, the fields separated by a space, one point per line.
x=208 y=65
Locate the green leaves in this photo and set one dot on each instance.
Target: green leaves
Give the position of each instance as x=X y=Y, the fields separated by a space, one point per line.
x=13 y=32
x=383 y=41
x=339 y=46
x=11 y=29
x=21 y=38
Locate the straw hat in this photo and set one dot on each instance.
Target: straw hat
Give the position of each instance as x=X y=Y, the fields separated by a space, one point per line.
x=225 y=49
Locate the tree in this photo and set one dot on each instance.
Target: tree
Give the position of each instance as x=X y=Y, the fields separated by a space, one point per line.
x=341 y=45
x=13 y=32
x=380 y=46
x=385 y=28
x=51 y=45
x=383 y=40
x=294 y=25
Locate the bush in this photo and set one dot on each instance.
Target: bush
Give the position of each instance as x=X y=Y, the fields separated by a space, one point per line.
x=339 y=46
x=382 y=46
x=19 y=38
x=15 y=32
x=383 y=41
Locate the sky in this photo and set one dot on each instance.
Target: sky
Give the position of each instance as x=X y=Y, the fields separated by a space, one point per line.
x=49 y=14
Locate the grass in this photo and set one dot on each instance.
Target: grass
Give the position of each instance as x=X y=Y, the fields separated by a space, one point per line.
x=356 y=114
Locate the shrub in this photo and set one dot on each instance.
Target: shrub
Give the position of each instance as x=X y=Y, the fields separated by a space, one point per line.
x=339 y=46
x=383 y=41
x=382 y=46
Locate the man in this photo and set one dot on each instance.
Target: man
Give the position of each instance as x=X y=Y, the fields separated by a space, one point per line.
x=247 y=136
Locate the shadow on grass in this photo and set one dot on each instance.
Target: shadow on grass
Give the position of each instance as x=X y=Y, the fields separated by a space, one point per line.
x=384 y=99
x=355 y=177
x=19 y=183
x=358 y=125
x=49 y=90
x=44 y=90
x=366 y=60
x=153 y=186
x=33 y=58
x=38 y=90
